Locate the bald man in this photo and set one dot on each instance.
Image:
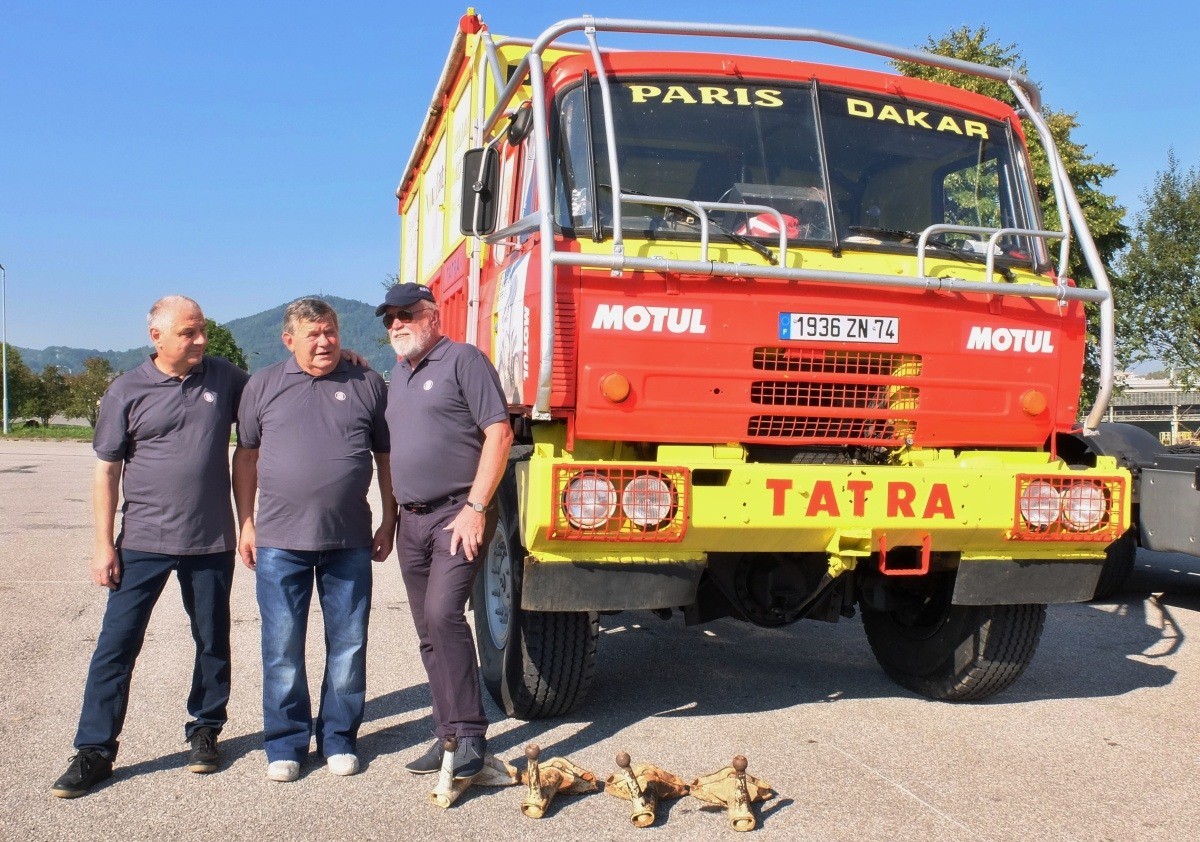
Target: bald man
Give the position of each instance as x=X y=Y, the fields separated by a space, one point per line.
x=162 y=436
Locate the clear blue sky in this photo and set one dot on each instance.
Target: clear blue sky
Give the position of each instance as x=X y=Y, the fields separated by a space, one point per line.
x=247 y=153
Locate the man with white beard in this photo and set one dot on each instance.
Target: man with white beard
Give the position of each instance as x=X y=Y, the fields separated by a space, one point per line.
x=446 y=405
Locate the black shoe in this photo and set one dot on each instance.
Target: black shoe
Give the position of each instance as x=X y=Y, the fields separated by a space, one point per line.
x=429 y=762
x=87 y=769
x=468 y=757
x=203 y=758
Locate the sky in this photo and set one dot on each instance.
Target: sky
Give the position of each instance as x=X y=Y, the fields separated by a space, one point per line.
x=247 y=153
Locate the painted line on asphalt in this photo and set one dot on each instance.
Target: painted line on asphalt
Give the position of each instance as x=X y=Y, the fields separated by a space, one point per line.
x=904 y=789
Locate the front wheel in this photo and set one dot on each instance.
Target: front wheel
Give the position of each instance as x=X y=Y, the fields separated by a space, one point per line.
x=955 y=653
x=535 y=664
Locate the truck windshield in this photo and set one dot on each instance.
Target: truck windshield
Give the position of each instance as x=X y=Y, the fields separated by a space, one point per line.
x=887 y=168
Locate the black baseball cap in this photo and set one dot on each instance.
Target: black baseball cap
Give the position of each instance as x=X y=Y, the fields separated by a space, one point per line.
x=405 y=295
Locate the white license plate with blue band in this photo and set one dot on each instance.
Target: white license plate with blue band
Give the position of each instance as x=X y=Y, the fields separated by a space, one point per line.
x=831 y=327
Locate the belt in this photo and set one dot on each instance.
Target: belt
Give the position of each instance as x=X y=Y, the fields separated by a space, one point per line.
x=424 y=508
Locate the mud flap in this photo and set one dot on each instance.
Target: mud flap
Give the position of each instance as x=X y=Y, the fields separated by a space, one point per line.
x=999 y=582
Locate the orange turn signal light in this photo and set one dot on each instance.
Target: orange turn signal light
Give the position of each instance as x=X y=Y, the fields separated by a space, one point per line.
x=1033 y=402
x=615 y=387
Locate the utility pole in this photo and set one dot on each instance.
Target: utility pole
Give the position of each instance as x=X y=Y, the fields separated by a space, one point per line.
x=4 y=324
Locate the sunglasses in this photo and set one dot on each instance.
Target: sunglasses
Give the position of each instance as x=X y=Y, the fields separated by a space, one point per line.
x=403 y=316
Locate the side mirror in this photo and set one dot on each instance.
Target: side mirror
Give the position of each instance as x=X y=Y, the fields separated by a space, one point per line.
x=481 y=177
x=520 y=124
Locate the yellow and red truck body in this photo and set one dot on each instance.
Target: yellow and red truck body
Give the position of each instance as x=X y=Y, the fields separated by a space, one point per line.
x=849 y=373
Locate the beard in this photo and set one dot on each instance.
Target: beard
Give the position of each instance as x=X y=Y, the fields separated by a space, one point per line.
x=416 y=344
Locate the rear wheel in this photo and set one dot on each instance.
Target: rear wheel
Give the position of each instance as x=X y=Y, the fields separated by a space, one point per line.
x=535 y=664
x=956 y=653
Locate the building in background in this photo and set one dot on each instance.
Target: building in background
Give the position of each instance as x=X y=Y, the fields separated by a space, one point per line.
x=1154 y=404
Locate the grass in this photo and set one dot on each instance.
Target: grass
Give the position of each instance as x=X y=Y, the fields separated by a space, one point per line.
x=59 y=432
x=54 y=432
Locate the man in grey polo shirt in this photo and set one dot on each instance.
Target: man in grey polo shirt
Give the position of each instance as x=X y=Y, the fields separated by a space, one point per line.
x=307 y=430
x=446 y=402
x=163 y=436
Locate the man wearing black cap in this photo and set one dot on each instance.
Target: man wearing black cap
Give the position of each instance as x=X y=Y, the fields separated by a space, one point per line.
x=446 y=404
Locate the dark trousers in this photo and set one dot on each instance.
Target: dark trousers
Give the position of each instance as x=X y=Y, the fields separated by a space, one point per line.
x=438 y=585
x=205 y=582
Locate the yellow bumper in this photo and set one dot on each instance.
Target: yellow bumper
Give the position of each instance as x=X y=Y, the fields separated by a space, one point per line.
x=967 y=504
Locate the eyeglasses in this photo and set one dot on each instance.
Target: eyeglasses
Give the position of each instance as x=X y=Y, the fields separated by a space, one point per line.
x=403 y=316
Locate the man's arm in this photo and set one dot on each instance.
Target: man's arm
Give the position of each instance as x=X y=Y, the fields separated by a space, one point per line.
x=467 y=527
x=106 y=480
x=385 y=535
x=245 y=485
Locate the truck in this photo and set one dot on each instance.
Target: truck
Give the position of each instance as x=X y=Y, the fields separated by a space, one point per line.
x=780 y=340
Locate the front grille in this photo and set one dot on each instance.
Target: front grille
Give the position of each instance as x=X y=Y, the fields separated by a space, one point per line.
x=832 y=395
x=866 y=363
x=839 y=430
x=858 y=396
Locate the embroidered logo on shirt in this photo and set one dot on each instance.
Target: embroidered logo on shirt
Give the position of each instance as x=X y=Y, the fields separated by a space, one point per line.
x=208 y=396
x=428 y=385
x=341 y=396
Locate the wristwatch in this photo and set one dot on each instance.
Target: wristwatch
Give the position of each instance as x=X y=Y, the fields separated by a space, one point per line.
x=479 y=507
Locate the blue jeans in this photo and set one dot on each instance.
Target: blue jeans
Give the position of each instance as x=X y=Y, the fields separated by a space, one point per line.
x=285 y=585
x=205 y=582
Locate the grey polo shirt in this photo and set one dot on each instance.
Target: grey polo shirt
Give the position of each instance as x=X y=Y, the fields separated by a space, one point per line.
x=315 y=437
x=172 y=434
x=440 y=410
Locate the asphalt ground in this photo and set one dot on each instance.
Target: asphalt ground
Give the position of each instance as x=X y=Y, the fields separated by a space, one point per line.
x=1097 y=740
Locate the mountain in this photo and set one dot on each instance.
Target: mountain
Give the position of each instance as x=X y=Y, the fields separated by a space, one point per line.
x=258 y=336
x=72 y=359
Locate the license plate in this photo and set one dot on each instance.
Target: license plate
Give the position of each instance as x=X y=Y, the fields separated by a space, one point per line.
x=828 y=327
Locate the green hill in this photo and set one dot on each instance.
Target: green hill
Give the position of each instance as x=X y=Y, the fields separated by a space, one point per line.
x=71 y=359
x=258 y=336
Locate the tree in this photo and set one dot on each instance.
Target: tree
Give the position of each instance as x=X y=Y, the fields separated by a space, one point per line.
x=88 y=387
x=1104 y=216
x=20 y=382
x=222 y=344
x=49 y=396
x=1159 y=280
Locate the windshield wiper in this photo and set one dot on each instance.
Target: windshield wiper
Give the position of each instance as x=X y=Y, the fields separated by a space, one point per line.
x=740 y=239
x=901 y=235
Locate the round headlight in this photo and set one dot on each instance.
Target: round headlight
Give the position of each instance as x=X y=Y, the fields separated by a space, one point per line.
x=647 y=500
x=590 y=501
x=1040 y=504
x=1083 y=506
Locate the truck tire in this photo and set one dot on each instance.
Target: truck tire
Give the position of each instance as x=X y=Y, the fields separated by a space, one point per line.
x=535 y=664
x=953 y=653
x=1118 y=564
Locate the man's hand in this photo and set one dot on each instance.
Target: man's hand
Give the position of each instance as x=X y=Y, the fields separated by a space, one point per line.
x=246 y=545
x=106 y=567
x=354 y=359
x=381 y=544
x=467 y=528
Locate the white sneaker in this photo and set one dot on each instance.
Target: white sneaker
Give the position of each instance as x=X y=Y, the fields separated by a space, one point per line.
x=284 y=771
x=342 y=764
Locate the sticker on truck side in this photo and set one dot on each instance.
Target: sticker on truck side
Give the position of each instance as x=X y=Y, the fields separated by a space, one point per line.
x=831 y=327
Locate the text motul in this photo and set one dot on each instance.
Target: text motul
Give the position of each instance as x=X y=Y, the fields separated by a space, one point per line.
x=1017 y=340
x=640 y=318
